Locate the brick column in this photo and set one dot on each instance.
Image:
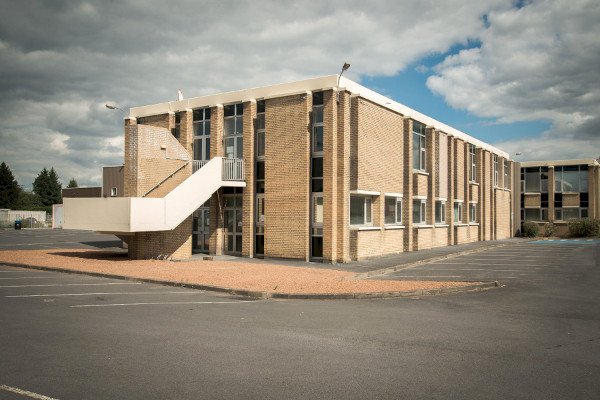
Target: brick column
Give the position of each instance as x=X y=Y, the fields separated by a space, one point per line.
x=186 y=131
x=481 y=179
x=451 y=188
x=130 y=158
x=343 y=177
x=430 y=161
x=216 y=204
x=467 y=185
x=249 y=121
x=330 y=174
x=407 y=200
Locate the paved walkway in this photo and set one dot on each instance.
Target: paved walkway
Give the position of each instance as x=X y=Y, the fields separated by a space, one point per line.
x=374 y=263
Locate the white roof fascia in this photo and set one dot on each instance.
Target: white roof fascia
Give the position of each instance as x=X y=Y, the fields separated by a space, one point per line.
x=558 y=163
x=303 y=86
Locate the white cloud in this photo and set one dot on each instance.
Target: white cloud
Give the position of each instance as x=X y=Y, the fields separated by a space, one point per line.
x=538 y=62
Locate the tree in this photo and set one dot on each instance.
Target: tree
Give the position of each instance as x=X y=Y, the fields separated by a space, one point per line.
x=48 y=188
x=9 y=189
x=72 y=183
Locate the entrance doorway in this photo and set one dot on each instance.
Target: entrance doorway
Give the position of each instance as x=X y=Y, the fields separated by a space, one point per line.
x=232 y=213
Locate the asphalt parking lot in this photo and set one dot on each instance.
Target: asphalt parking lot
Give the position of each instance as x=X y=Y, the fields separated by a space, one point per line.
x=69 y=336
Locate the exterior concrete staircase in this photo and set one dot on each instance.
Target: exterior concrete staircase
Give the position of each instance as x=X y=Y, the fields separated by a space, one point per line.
x=123 y=215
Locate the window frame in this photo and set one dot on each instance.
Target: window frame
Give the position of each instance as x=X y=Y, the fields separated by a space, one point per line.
x=507 y=174
x=458 y=206
x=367 y=212
x=419 y=136
x=473 y=163
x=495 y=160
x=472 y=213
x=397 y=215
x=442 y=211
x=113 y=191
x=422 y=211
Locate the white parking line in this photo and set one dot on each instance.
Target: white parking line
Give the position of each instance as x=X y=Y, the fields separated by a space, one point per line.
x=29 y=277
x=479 y=263
x=101 y=294
x=27 y=393
x=75 y=284
x=163 y=303
x=427 y=276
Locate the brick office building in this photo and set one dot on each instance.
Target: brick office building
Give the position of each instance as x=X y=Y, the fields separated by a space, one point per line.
x=318 y=169
x=557 y=191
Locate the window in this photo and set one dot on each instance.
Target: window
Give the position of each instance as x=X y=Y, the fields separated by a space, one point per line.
x=536 y=214
x=360 y=210
x=567 y=213
x=393 y=210
x=419 y=211
x=317 y=124
x=260 y=130
x=457 y=213
x=534 y=179
x=233 y=127
x=317 y=174
x=472 y=212
x=113 y=192
x=440 y=211
x=472 y=164
x=177 y=130
x=418 y=146
x=260 y=177
x=506 y=174
x=201 y=124
x=495 y=157
x=571 y=178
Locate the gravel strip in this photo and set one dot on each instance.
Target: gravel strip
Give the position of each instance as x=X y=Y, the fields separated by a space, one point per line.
x=269 y=278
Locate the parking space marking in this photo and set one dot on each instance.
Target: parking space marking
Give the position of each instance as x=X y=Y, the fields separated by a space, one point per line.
x=479 y=263
x=29 y=277
x=102 y=294
x=75 y=284
x=161 y=303
x=27 y=393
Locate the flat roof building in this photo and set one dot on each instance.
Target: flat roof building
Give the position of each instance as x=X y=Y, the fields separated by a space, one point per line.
x=557 y=191
x=320 y=169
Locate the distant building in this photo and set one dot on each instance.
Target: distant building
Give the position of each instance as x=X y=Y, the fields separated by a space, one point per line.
x=557 y=191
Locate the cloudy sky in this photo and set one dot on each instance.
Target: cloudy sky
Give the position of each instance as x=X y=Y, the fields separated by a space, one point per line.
x=523 y=75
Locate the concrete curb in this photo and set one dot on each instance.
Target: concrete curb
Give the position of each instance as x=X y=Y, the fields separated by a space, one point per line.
x=252 y=294
x=400 y=267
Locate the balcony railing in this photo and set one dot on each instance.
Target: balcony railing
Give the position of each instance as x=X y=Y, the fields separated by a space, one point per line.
x=233 y=168
x=198 y=164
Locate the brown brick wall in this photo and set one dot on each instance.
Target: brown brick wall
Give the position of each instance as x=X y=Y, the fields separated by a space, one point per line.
x=248 y=202
x=533 y=200
x=330 y=171
x=569 y=200
x=287 y=176
x=366 y=244
x=502 y=214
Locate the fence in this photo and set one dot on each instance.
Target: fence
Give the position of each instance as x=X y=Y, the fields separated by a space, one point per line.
x=29 y=219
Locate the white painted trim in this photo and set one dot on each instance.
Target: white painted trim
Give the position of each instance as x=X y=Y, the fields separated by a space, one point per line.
x=365 y=192
x=459 y=201
x=313 y=84
x=441 y=199
x=422 y=226
x=419 y=197
x=420 y=172
x=392 y=227
x=364 y=228
x=393 y=194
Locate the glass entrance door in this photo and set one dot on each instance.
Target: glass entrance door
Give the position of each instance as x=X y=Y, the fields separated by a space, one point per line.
x=233 y=223
x=201 y=230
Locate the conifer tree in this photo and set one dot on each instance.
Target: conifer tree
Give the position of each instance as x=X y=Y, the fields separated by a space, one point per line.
x=9 y=189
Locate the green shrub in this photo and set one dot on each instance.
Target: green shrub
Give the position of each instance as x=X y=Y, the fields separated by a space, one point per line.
x=550 y=229
x=584 y=227
x=530 y=229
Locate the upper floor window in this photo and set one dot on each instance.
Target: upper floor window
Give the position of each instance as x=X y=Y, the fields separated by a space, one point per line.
x=571 y=178
x=534 y=180
x=177 y=130
x=260 y=130
x=495 y=157
x=472 y=164
x=317 y=124
x=506 y=174
x=419 y=151
x=233 y=128
x=201 y=124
